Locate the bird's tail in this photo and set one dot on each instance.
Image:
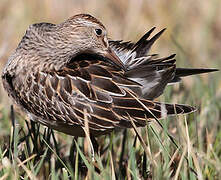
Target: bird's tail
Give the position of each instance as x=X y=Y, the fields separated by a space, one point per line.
x=182 y=72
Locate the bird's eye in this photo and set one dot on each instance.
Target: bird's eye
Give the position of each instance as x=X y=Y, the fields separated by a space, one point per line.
x=98 y=32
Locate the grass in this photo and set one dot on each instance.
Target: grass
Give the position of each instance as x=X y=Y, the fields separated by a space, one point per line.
x=34 y=152
x=30 y=151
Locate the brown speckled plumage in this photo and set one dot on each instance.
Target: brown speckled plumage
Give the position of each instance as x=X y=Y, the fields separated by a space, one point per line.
x=60 y=73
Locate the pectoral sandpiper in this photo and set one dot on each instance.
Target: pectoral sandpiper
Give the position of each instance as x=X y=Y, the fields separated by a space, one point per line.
x=60 y=74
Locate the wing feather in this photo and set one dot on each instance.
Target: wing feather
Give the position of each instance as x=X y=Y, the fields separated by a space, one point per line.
x=59 y=99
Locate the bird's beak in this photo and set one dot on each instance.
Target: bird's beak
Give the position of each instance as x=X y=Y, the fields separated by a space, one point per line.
x=109 y=53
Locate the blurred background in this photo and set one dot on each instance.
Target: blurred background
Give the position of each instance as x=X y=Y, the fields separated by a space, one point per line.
x=193 y=33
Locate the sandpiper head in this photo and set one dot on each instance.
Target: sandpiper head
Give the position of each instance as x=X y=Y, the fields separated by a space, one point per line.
x=88 y=35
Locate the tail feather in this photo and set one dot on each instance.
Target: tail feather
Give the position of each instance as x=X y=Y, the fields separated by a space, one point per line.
x=182 y=72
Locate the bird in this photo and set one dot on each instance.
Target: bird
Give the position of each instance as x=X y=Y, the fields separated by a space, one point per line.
x=71 y=75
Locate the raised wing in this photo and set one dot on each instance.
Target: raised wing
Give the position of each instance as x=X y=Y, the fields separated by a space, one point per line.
x=148 y=70
x=129 y=52
x=153 y=75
